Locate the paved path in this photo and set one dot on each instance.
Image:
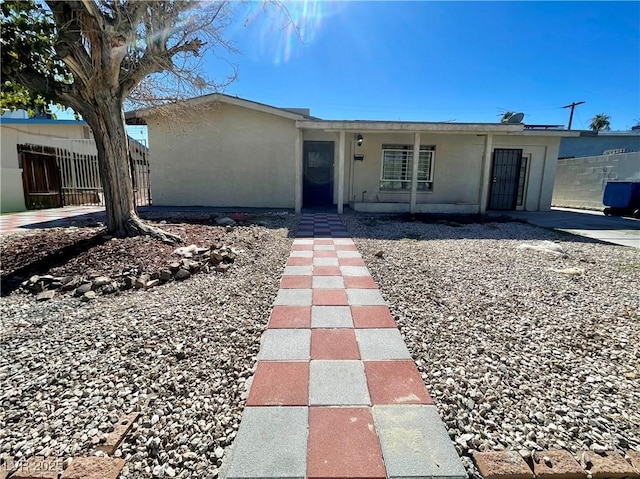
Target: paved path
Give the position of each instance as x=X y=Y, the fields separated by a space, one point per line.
x=336 y=393
x=591 y=224
x=50 y=218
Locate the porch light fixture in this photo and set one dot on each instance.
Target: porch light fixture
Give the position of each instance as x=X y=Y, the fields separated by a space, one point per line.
x=359 y=139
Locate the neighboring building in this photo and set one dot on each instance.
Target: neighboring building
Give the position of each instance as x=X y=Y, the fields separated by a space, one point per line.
x=587 y=162
x=592 y=143
x=233 y=152
x=18 y=131
x=580 y=182
x=50 y=163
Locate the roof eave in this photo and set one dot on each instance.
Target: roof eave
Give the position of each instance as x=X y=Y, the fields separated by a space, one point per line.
x=217 y=98
x=364 y=126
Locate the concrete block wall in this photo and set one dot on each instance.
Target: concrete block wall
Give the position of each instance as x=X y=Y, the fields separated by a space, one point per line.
x=580 y=182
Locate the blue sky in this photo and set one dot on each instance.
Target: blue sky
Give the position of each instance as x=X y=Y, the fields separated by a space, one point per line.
x=442 y=61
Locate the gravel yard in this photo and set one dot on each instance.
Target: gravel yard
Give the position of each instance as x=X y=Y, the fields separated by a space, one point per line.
x=180 y=353
x=515 y=355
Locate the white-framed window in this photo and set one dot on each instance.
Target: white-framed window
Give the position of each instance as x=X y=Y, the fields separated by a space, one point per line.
x=397 y=167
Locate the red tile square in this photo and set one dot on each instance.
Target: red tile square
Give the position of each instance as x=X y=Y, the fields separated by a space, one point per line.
x=351 y=262
x=330 y=297
x=295 y=282
x=372 y=317
x=346 y=247
x=343 y=443
x=299 y=261
x=327 y=271
x=302 y=247
x=395 y=382
x=334 y=344
x=359 y=282
x=290 y=317
x=324 y=242
x=280 y=384
x=324 y=254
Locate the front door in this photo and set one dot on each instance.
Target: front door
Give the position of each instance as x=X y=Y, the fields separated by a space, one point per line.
x=504 y=179
x=318 y=173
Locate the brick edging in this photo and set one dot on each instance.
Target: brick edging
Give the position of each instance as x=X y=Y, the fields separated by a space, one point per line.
x=558 y=464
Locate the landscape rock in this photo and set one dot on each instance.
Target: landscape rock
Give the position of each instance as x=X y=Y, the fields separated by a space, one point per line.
x=46 y=295
x=141 y=281
x=83 y=288
x=165 y=275
x=129 y=281
x=88 y=296
x=101 y=281
x=223 y=267
x=182 y=274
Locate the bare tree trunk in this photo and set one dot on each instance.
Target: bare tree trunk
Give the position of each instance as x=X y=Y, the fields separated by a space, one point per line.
x=107 y=123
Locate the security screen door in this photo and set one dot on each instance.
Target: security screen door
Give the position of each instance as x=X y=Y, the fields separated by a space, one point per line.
x=504 y=179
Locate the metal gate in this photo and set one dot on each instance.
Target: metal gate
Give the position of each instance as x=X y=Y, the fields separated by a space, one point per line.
x=504 y=179
x=76 y=168
x=40 y=178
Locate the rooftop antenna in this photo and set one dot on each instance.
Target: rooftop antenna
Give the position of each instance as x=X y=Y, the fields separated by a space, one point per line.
x=572 y=106
x=516 y=118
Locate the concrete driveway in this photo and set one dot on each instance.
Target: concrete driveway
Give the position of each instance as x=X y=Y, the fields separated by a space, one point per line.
x=592 y=224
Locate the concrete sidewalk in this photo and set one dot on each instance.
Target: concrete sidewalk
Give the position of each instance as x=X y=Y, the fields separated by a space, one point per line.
x=591 y=224
x=336 y=393
x=49 y=218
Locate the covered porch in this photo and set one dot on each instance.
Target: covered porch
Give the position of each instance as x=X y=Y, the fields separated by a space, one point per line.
x=420 y=167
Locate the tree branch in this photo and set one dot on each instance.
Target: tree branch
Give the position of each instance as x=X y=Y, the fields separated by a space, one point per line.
x=69 y=46
x=94 y=12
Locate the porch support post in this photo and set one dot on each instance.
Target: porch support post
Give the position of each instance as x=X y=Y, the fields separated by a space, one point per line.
x=298 y=172
x=341 y=147
x=413 y=197
x=485 y=174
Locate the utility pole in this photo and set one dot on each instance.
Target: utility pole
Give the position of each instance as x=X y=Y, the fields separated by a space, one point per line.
x=572 y=106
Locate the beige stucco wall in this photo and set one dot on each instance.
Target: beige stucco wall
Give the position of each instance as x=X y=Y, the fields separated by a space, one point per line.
x=14 y=134
x=542 y=168
x=456 y=172
x=223 y=155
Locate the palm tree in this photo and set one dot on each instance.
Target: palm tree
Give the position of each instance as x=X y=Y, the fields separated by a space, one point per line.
x=600 y=122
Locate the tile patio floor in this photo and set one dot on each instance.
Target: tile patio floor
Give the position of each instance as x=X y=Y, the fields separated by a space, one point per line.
x=336 y=393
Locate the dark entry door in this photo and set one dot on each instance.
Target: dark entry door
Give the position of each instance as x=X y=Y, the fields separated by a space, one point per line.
x=318 y=173
x=504 y=179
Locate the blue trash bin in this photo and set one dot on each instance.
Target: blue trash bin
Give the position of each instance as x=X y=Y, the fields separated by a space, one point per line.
x=622 y=198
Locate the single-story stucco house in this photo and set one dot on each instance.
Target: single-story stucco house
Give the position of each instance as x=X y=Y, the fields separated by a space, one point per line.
x=232 y=152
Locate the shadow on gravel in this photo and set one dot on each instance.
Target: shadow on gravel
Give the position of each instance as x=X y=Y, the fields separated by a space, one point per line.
x=88 y=219
x=11 y=281
x=18 y=271
x=456 y=226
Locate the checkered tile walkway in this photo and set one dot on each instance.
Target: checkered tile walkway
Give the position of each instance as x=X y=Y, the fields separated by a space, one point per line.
x=28 y=220
x=336 y=393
